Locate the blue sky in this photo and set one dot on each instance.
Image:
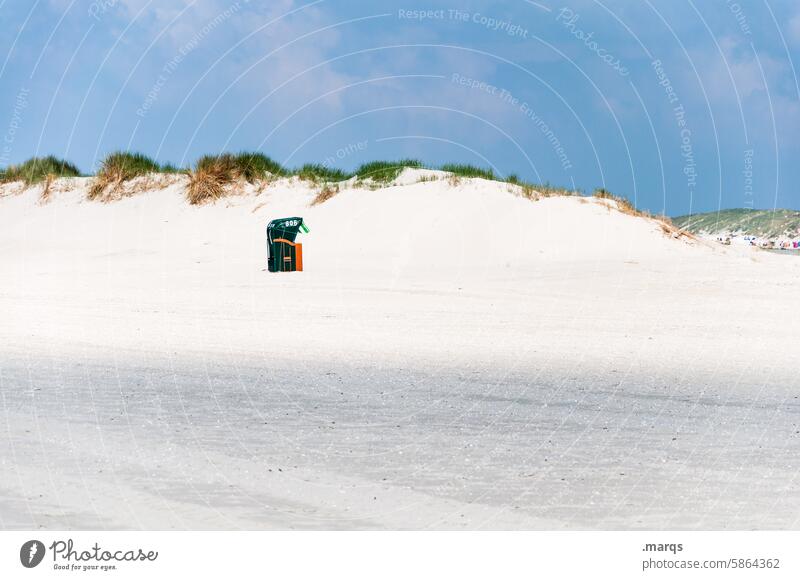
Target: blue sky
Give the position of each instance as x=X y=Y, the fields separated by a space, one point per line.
x=681 y=105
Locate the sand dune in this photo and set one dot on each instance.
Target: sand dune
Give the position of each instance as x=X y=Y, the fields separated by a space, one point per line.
x=454 y=356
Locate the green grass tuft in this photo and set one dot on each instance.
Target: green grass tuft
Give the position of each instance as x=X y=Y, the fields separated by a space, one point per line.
x=385 y=171
x=170 y=168
x=224 y=161
x=253 y=166
x=321 y=173
x=124 y=165
x=38 y=169
x=229 y=167
x=117 y=168
x=468 y=171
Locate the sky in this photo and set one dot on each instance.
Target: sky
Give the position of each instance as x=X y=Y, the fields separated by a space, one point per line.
x=683 y=106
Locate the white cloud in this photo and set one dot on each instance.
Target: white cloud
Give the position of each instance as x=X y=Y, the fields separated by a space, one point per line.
x=794 y=29
x=738 y=70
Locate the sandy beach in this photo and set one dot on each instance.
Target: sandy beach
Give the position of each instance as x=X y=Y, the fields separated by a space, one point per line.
x=454 y=357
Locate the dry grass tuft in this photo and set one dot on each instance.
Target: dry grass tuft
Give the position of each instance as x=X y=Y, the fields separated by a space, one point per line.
x=529 y=192
x=210 y=177
x=116 y=169
x=625 y=206
x=214 y=175
x=537 y=191
x=453 y=180
x=548 y=191
x=44 y=197
x=673 y=231
x=325 y=194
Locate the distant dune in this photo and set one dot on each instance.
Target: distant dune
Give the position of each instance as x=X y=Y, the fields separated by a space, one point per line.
x=762 y=223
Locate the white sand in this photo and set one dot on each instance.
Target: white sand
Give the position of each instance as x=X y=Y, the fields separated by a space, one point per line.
x=452 y=357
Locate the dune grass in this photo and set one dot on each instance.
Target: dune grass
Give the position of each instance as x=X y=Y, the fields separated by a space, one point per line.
x=210 y=176
x=324 y=194
x=623 y=203
x=121 y=166
x=38 y=169
x=213 y=174
x=253 y=166
x=117 y=168
x=603 y=193
x=536 y=191
x=627 y=207
x=464 y=170
x=385 y=171
x=528 y=189
x=170 y=168
x=547 y=190
x=318 y=173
